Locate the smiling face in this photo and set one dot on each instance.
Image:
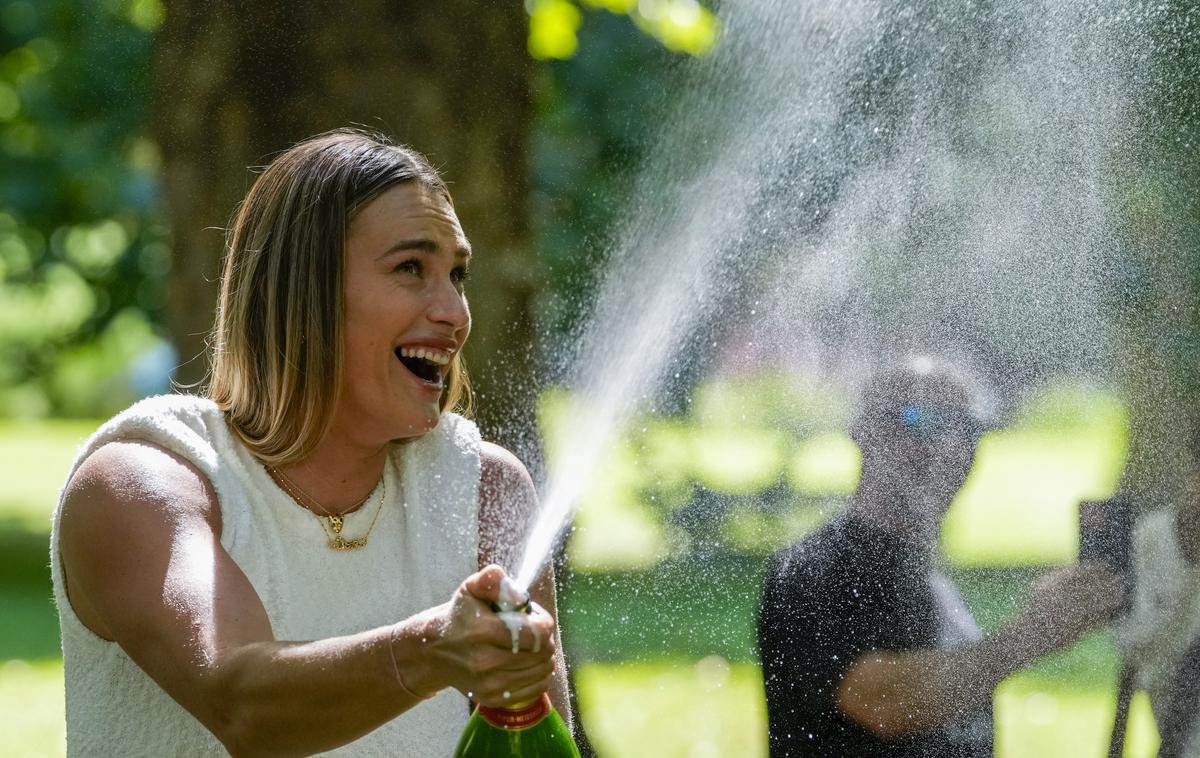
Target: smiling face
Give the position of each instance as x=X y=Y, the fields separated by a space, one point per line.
x=406 y=314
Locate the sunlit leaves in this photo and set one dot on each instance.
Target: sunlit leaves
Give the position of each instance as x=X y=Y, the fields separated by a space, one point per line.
x=827 y=463
x=553 y=28
x=95 y=248
x=82 y=254
x=683 y=26
x=51 y=309
x=10 y=102
x=147 y=15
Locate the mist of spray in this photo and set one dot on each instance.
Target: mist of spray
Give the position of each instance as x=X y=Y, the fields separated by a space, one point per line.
x=843 y=180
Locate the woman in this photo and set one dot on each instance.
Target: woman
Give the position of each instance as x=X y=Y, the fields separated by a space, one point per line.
x=278 y=568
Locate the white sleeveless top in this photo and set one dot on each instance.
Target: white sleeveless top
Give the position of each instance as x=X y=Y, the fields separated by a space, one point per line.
x=423 y=545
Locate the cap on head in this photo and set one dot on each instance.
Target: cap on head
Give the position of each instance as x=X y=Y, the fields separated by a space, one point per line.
x=921 y=398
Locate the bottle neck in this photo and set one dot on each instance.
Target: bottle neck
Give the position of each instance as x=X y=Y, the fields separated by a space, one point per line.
x=518 y=717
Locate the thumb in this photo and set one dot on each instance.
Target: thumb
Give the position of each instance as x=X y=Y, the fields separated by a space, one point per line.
x=485 y=584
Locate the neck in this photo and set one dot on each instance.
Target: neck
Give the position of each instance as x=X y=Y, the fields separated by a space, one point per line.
x=885 y=509
x=338 y=474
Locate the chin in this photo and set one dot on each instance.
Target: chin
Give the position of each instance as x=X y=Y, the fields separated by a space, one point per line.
x=415 y=425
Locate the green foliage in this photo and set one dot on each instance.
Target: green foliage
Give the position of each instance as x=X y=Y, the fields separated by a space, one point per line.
x=597 y=115
x=678 y=707
x=83 y=252
x=682 y=26
x=84 y=249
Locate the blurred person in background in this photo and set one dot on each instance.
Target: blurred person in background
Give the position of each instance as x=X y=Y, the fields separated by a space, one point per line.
x=1159 y=640
x=867 y=647
x=298 y=562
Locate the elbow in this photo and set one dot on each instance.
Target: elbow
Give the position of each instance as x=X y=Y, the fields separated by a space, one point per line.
x=246 y=727
x=233 y=727
x=233 y=718
x=242 y=737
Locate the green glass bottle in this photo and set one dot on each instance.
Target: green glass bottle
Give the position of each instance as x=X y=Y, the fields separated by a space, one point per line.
x=532 y=731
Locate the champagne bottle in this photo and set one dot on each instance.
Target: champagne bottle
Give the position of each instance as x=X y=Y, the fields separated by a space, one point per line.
x=534 y=730
x=525 y=730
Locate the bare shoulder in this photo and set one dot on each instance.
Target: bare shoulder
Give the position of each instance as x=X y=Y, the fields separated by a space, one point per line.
x=500 y=468
x=137 y=479
x=507 y=500
x=124 y=511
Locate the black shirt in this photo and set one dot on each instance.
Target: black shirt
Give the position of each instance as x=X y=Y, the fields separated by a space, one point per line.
x=848 y=588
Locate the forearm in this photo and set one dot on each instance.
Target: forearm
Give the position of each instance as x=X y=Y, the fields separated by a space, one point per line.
x=947 y=684
x=900 y=693
x=299 y=698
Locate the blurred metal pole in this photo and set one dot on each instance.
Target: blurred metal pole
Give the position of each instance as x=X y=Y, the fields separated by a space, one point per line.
x=1116 y=743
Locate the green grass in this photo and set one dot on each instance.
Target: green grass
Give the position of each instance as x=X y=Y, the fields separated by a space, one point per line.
x=690 y=709
x=711 y=707
x=34 y=459
x=31 y=701
x=1036 y=717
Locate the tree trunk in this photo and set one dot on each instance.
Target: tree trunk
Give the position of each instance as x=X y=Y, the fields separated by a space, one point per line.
x=238 y=82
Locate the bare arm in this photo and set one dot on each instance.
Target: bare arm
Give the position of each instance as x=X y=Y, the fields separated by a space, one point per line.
x=900 y=693
x=507 y=504
x=140 y=545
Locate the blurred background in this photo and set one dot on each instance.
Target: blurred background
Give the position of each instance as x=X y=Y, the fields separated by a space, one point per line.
x=126 y=131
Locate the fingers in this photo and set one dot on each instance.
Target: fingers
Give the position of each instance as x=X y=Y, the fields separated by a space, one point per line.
x=1106 y=595
x=484 y=585
x=1100 y=586
x=535 y=630
x=517 y=687
x=494 y=658
x=1070 y=600
x=533 y=635
x=1094 y=570
x=482 y=644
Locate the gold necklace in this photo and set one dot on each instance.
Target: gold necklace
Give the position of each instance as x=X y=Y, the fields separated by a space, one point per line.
x=332 y=523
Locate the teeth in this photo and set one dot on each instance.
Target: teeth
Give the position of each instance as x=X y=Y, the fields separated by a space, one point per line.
x=433 y=356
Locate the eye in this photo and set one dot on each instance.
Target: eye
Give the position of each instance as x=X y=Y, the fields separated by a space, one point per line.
x=459 y=275
x=410 y=266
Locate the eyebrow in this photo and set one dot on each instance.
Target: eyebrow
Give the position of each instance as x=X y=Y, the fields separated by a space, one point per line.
x=425 y=246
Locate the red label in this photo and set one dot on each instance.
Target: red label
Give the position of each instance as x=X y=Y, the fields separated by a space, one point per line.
x=523 y=718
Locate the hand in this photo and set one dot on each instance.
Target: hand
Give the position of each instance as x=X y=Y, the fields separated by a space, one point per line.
x=465 y=645
x=1068 y=601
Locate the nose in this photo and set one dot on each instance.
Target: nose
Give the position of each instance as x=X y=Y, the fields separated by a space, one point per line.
x=449 y=307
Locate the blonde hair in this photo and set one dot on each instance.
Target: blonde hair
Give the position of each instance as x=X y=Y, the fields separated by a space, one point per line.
x=277 y=340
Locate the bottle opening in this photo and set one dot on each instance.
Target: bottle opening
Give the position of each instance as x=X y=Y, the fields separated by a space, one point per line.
x=517 y=718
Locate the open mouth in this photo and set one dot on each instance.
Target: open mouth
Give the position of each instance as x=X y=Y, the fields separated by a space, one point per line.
x=423 y=364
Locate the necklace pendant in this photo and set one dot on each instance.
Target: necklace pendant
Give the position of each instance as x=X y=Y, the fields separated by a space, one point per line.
x=336 y=523
x=342 y=544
